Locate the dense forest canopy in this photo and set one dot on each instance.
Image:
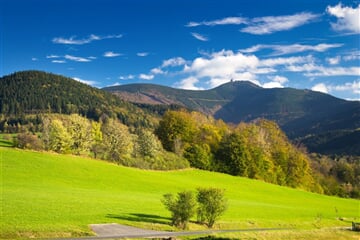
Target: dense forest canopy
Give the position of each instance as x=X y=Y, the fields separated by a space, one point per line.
x=35 y=92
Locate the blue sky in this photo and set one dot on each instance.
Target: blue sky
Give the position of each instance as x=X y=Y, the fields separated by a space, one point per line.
x=199 y=44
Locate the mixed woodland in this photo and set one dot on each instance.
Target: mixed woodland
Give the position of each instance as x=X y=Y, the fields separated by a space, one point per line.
x=68 y=117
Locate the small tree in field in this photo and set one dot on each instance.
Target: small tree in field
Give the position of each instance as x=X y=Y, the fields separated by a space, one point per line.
x=212 y=205
x=182 y=208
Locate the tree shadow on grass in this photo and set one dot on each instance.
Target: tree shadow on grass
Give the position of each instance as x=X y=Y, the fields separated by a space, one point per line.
x=140 y=217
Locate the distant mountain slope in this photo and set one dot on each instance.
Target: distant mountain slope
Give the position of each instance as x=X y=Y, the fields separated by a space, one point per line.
x=39 y=92
x=302 y=114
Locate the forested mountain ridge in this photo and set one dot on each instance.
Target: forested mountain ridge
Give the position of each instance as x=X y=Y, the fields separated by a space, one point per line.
x=315 y=119
x=324 y=124
x=34 y=92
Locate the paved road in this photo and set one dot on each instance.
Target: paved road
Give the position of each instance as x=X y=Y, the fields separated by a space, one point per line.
x=117 y=231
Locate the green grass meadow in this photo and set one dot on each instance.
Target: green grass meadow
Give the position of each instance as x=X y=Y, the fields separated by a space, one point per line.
x=51 y=195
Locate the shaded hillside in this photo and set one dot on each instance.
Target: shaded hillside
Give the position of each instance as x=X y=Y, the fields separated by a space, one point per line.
x=40 y=92
x=300 y=113
x=204 y=101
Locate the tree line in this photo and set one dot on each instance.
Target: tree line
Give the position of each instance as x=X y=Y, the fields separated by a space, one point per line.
x=106 y=139
x=258 y=150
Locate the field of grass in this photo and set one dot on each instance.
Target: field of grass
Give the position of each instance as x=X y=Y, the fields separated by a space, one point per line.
x=51 y=195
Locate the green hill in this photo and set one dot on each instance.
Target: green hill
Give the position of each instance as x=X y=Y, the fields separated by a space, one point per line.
x=33 y=92
x=304 y=115
x=49 y=195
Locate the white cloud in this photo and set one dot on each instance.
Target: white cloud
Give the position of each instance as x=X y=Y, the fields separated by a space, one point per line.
x=272 y=85
x=173 y=62
x=88 y=82
x=188 y=83
x=220 y=67
x=288 y=49
x=288 y=61
x=146 y=76
x=73 y=41
x=127 y=77
x=313 y=70
x=34 y=59
x=52 y=56
x=111 y=54
x=58 y=61
x=353 y=87
x=223 y=63
x=271 y=24
x=142 y=54
x=157 y=71
x=200 y=37
x=276 y=82
x=320 y=71
x=334 y=60
x=352 y=56
x=279 y=79
x=77 y=59
x=348 y=18
x=308 y=67
x=223 y=21
x=320 y=87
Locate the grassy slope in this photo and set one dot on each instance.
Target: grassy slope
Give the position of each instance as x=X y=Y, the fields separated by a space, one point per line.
x=55 y=195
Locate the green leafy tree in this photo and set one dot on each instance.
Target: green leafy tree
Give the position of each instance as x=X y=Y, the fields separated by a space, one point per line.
x=97 y=146
x=147 y=144
x=117 y=140
x=199 y=156
x=182 y=208
x=211 y=205
x=233 y=155
x=59 y=139
x=176 y=131
x=79 y=129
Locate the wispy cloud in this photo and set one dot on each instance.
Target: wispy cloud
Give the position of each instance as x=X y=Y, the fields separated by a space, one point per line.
x=127 y=77
x=271 y=24
x=173 y=62
x=223 y=21
x=348 y=18
x=333 y=60
x=77 y=59
x=52 y=56
x=313 y=70
x=355 y=55
x=200 y=37
x=34 y=59
x=146 y=76
x=157 y=71
x=58 y=61
x=353 y=87
x=334 y=71
x=74 y=41
x=142 y=54
x=262 y=25
x=288 y=49
x=110 y=54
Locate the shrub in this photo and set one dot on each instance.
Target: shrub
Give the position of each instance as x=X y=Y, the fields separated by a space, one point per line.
x=182 y=208
x=211 y=205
